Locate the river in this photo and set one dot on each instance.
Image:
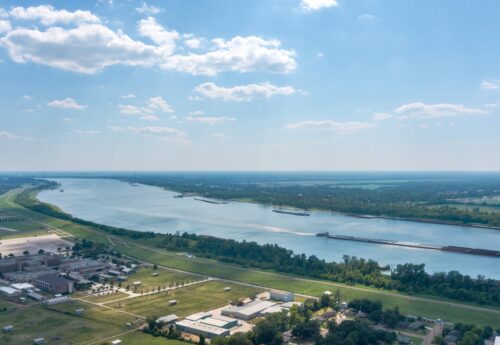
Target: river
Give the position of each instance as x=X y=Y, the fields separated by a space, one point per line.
x=141 y=207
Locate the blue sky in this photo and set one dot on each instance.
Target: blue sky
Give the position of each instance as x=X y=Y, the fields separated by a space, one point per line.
x=250 y=85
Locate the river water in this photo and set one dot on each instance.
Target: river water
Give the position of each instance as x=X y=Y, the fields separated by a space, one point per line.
x=140 y=207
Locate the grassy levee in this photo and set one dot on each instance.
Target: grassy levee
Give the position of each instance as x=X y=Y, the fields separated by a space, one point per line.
x=452 y=311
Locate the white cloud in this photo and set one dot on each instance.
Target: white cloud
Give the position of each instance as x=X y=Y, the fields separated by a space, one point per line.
x=158 y=103
x=156 y=131
x=493 y=105
x=128 y=96
x=86 y=49
x=4 y=26
x=196 y=113
x=91 y=47
x=128 y=109
x=149 y=9
x=340 y=127
x=239 y=54
x=155 y=32
x=366 y=17
x=491 y=85
x=382 y=116
x=9 y=136
x=243 y=92
x=423 y=125
x=193 y=43
x=85 y=132
x=210 y=120
x=314 y=5
x=150 y=118
x=47 y=15
x=27 y=97
x=67 y=103
x=422 y=110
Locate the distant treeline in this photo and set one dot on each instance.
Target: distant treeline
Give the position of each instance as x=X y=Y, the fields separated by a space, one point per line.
x=416 y=200
x=409 y=278
x=11 y=182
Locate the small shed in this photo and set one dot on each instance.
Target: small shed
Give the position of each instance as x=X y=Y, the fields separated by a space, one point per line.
x=79 y=311
x=38 y=341
x=8 y=329
x=116 y=342
x=137 y=283
x=227 y=289
x=155 y=274
x=172 y=302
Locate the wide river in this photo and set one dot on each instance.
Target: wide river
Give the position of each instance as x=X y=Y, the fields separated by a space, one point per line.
x=141 y=207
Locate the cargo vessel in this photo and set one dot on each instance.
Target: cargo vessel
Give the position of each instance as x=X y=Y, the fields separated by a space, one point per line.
x=292 y=212
x=454 y=249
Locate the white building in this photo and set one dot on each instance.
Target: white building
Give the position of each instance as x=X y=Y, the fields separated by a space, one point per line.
x=283 y=296
x=167 y=319
x=198 y=328
x=247 y=311
x=9 y=292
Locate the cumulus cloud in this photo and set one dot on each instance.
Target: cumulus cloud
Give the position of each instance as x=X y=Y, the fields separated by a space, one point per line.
x=127 y=96
x=155 y=32
x=491 y=85
x=150 y=118
x=128 y=109
x=158 y=103
x=382 y=116
x=90 y=46
x=4 y=26
x=314 y=5
x=239 y=54
x=87 y=48
x=193 y=43
x=422 y=110
x=148 y=9
x=243 y=92
x=28 y=97
x=47 y=15
x=210 y=120
x=67 y=103
x=340 y=127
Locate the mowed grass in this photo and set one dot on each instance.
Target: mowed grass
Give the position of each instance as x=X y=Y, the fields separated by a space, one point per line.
x=165 y=278
x=106 y=298
x=140 y=338
x=190 y=299
x=59 y=324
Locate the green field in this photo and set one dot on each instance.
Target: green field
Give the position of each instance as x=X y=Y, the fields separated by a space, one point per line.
x=190 y=299
x=165 y=278
x=144 y=250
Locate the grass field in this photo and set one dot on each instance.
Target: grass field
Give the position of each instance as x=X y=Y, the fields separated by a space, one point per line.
x=165 y=278
x=190 y=299
x=429 y=307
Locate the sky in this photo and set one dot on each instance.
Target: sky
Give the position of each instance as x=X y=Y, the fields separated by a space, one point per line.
x=250 y=85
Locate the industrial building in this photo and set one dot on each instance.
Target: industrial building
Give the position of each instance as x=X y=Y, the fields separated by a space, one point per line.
x=198 y=328
x=282 y=296
x=167 y=319
x=54 y=283
x=198 y=316
x=9 y=292
x=221 y=322
x=247 y=311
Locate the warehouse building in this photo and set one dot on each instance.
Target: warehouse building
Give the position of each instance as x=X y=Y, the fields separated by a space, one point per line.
x=282 y=296
x=198 y=316
x=167 y=319
x=9 y=292
x=54 y=283
x=221 y=322
x=198 y=328
x=247 y=311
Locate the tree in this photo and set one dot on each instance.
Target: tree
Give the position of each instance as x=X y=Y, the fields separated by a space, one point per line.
x=202 y=340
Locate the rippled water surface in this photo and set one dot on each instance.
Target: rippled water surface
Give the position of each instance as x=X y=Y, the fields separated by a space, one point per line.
x=141 y=207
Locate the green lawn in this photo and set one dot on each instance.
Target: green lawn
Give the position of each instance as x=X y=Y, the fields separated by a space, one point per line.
x=59 y=324
x=190 y=299
x=139 y=338
x=165 y=278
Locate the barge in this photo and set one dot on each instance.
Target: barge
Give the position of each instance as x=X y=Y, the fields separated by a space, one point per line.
x=292 y=212
x=454 y=249
x=211 y=201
